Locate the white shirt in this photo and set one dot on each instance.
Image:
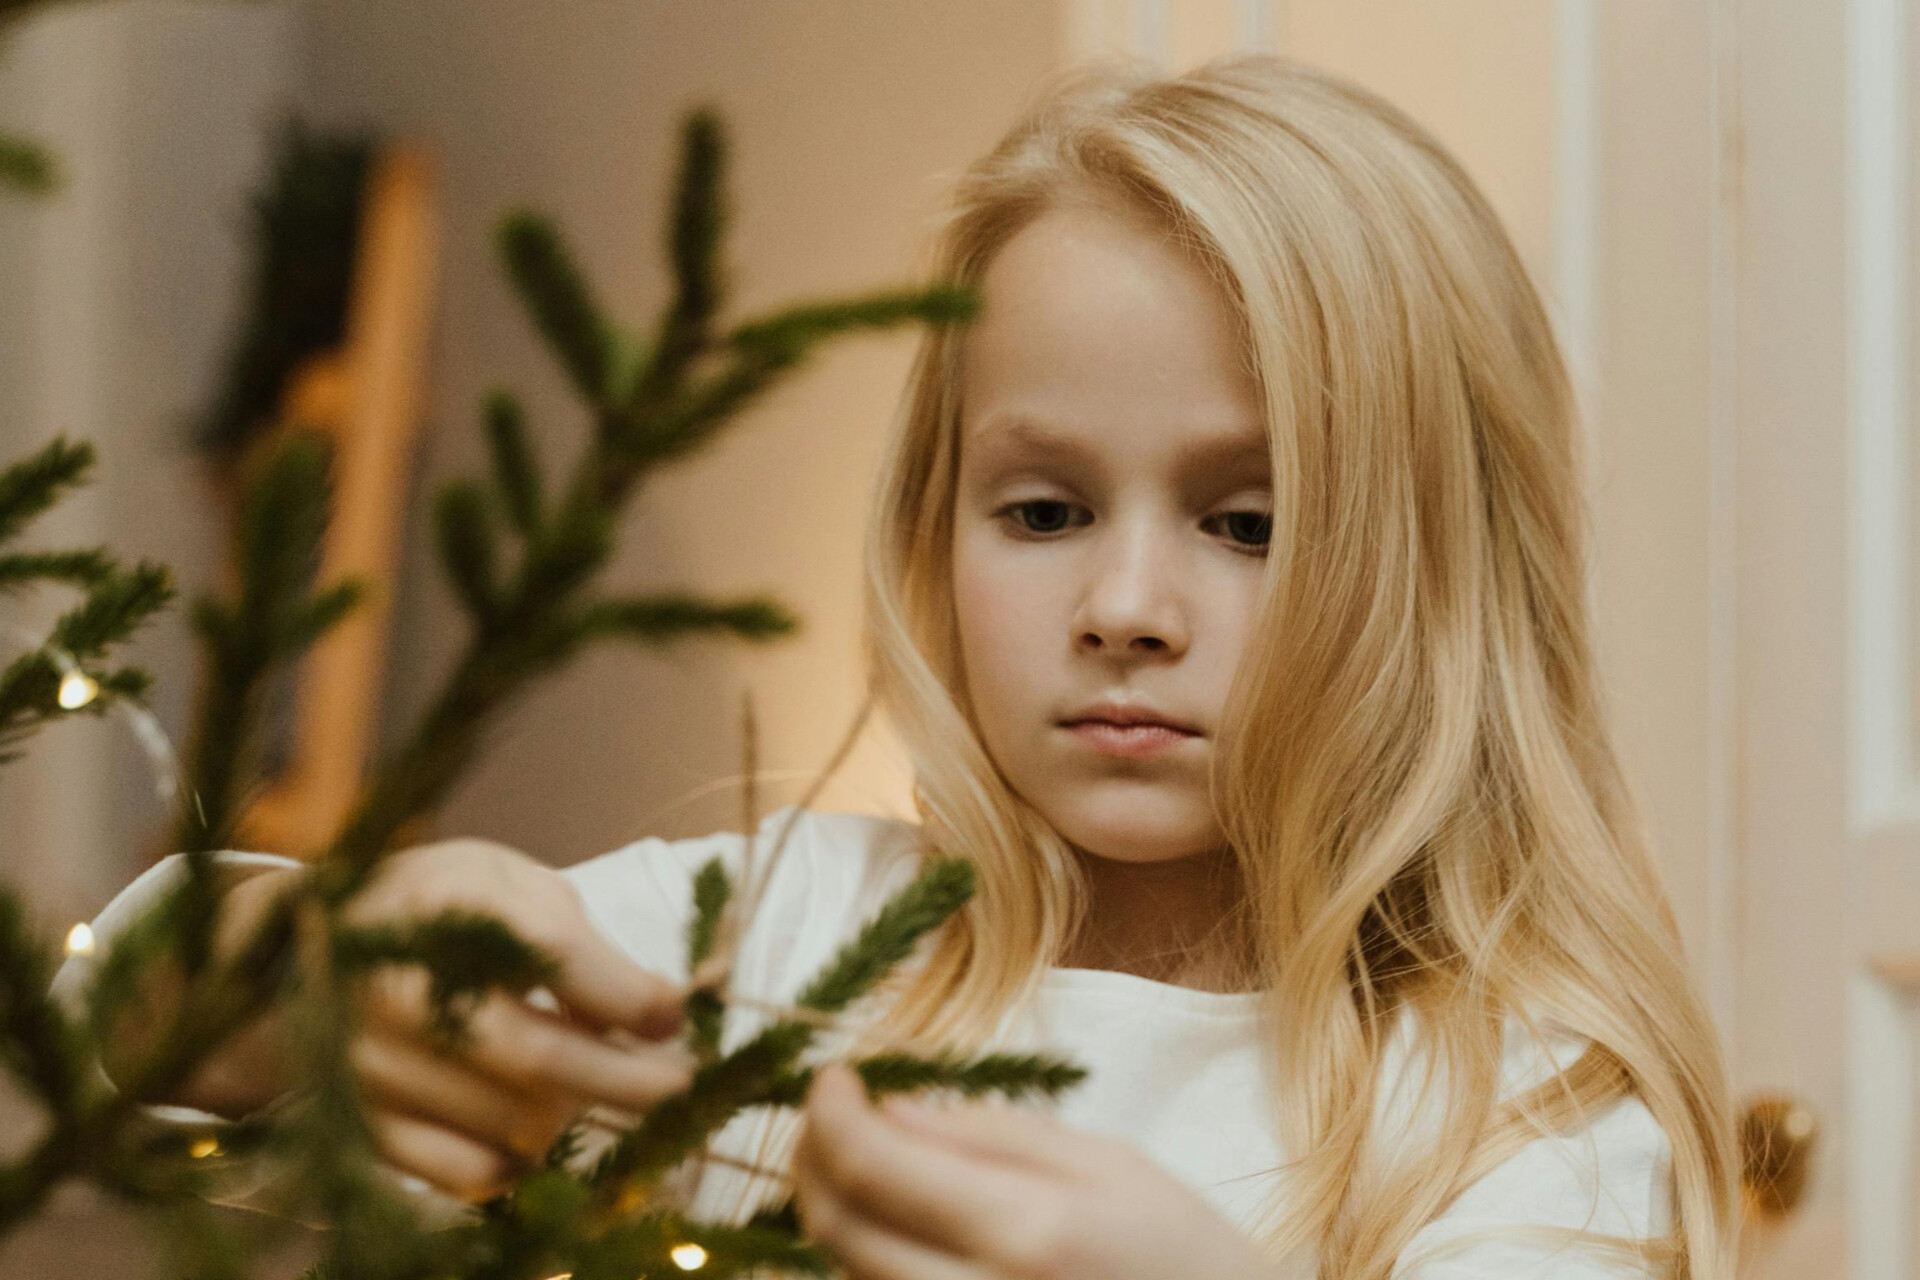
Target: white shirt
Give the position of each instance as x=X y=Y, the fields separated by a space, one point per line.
x=1174 y=1071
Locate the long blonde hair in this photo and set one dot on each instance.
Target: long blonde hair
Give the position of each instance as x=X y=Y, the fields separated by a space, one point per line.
x=1416 y=780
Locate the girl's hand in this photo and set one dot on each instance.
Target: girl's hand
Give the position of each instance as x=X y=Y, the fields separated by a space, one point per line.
x=467 y=1123
x=905 y=1192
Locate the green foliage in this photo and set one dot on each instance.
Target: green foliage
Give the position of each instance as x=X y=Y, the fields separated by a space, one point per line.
x=275 y=617
x=466 y=954
x=114 y=604
x=524 y=565
x=26 y=166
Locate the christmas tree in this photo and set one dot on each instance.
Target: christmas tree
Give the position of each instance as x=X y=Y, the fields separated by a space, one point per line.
x=525 y=563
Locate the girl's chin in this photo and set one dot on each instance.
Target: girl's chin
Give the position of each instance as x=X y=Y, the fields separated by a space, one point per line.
x=1137 y=833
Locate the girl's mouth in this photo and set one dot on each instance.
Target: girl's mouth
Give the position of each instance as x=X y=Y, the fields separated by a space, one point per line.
x=1130 y=741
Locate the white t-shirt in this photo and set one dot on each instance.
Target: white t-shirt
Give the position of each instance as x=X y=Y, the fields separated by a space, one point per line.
x=1173 y=1070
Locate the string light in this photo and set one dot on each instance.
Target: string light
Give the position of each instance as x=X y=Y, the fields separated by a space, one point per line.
x=80 y=940
x=204 y=1147
x=688 y=1257
x=77 y=689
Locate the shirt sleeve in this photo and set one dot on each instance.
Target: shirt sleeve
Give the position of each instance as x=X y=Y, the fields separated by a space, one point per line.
x=1611 y=1178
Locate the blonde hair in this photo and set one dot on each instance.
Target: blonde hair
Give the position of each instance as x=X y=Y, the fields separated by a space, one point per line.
x=1416 y=781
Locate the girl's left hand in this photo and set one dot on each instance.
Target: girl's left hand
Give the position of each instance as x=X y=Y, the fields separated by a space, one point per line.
x=903 y=1192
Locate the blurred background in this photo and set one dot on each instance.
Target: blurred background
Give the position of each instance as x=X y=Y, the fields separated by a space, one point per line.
x=1714 y=196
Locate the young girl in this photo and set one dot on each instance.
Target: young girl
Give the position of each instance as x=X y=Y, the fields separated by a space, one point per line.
x=1226 y=587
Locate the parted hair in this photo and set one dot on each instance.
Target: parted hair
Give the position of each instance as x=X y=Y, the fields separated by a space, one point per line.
x=1415 y=775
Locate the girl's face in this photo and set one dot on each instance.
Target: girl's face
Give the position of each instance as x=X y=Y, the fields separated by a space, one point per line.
x=1110 y=526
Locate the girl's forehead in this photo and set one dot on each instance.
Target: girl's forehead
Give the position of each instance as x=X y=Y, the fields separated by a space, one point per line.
x=1222 y=448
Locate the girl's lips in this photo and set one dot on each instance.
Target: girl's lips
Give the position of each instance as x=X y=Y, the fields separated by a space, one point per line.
x=1130 y=741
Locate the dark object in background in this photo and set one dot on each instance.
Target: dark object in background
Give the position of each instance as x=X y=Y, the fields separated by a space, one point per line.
x=306 y=230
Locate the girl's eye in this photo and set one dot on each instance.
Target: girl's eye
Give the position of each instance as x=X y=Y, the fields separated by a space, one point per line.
x=1249 y=529
x=1049 y=515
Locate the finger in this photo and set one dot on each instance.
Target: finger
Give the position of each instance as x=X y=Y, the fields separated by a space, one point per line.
x=452 y=1162
x=424 y=1084
x=1026 y=1135
x=532 y=1050
x=603 y=984
x=866 y=1248
x=953 y=1200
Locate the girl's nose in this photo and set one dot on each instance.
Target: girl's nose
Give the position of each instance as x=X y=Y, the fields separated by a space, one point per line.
x=1132 y=604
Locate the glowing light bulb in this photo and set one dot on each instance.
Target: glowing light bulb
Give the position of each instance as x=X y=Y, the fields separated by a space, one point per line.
x=688 y=1257
x=204 y=1147
x=80 y=940
x=77 y=689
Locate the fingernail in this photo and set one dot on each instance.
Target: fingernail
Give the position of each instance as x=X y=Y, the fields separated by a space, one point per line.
x=901 y=1107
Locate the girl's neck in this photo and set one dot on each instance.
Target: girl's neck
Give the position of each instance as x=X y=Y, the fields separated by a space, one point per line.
x=1168 y=921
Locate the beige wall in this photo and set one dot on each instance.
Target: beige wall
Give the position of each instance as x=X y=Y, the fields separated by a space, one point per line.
x=845 y=116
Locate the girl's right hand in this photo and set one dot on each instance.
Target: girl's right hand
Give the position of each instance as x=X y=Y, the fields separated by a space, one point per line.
x=469 y=1123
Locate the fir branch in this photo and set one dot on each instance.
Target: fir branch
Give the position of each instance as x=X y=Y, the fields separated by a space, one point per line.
x=799 y=328
x=33 y=484
x=319 y=615
x=39 y=1045
x=557 y=298
x=274 y=618
x=673 y=1128
x=711 y=889
x=700 y=217
x=26 y=166
x=657 y=619
x=466 y=953
x=541 y=620
x=705 y=1010
x=468 y=551
x=516 y=475
x=1011 y=1075
x=80 y=568
x=940 y=889
x=113 y=609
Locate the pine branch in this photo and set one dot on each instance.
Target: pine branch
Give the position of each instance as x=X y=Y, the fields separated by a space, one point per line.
x=80 y=568
x=558 y=300
x=657 y=619
x=466 y=954
x=649 y=407
x=33 y=484
x=468 y=551
x=699 y=219
x=1010 y=1075
x=27 y=166
x=515 y=473
x=936 y=893
x=39 y=1046
x=274 y=618
x=704 y=1008
x=113 y=609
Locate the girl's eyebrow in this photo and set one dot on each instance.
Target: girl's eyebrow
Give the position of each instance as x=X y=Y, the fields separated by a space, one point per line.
x=1014 y=433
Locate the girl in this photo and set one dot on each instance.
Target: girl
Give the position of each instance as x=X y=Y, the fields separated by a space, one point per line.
x=1226 y=587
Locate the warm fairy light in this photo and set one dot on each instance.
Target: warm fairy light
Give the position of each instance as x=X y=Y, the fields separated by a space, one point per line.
x=77 y=689
x=564 y=1275
x=688 y=1257
x=80 y=940
x=204 y=1147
